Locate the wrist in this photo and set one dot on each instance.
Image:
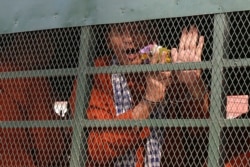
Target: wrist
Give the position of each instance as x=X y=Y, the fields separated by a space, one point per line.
x=151 y=99
x=143 y=109
x=150 y=102
x=187 y=76
x=199 y=90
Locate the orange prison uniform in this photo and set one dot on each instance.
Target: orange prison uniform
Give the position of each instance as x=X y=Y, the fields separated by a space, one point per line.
x=27 y=99
x=106 y=144
x=242 y=160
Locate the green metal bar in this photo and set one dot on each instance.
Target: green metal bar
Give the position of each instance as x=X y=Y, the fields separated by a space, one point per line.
x=166 y=123
x=216 y=92
x=148 y=122
x=153 y=67
x=39 y=73
x=236 y=123
x=49 y=14
x=81 y=102
x=128 y=123
x=236 y=63
x=29 y=124
x=124 y=69
x=167 y=67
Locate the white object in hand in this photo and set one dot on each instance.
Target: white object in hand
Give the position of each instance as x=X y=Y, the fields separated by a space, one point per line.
x=61 y=108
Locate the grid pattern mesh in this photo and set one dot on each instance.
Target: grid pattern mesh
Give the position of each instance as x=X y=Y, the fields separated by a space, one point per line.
x=59 y=105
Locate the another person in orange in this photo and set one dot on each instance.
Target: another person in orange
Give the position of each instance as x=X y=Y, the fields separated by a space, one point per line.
x=236 y=144
x=135 y=95
x=20 y=100
x=27 y=98
x=242 y=160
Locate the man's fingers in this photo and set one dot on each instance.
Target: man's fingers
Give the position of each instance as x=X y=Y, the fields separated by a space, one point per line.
x=183 y=39
x=155 y=88
x=174 y=55
x=166 y=77
x=154 y=59
x=200 y=46
x=194 y=39
x=189 y=50
x=188 y=38
x=163 y=57
x=196 y=58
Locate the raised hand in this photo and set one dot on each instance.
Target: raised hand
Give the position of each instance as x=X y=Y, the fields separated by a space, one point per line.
x=190 y=50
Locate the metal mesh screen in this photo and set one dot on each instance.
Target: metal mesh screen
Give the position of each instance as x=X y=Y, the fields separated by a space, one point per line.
x=90 y=96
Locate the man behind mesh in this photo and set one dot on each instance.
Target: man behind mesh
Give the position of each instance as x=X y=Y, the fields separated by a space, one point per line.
x=135 y=95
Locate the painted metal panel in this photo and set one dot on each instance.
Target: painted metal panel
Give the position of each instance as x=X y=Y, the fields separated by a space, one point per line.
x=28 y=15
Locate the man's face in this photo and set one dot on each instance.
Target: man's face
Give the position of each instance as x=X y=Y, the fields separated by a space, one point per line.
x=125 y=40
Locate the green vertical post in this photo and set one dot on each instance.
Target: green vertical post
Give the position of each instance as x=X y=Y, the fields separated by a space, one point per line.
x=77 y=156
x=216 y=114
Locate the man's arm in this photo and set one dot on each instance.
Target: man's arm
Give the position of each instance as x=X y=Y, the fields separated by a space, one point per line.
x=111 y=142
x=190 y=50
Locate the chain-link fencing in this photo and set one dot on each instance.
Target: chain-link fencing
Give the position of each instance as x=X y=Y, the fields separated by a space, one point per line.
x=108 y=95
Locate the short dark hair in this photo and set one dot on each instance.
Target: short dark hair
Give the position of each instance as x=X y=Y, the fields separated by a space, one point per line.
x=101 y=32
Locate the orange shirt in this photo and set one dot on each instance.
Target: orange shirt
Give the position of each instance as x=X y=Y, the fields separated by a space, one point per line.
x=109 y=143
x=15 y=104
x=240 y=160
x=106 y=144
x=28 y=99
